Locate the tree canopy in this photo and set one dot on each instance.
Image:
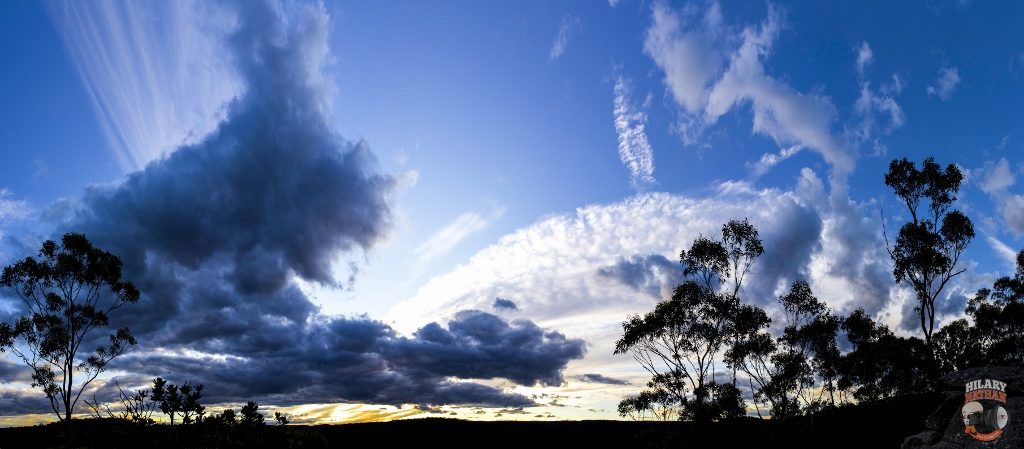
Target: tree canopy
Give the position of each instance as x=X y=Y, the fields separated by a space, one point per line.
x=929 y=246
x=68 y=290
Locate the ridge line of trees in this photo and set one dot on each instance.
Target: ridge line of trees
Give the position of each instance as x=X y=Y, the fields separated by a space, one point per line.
x=803 y=370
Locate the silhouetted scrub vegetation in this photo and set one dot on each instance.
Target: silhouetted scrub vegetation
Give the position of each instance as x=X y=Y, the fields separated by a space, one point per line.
x=877 y=424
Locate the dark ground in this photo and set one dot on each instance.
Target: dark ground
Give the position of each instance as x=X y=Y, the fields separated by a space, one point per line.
x=877 y=425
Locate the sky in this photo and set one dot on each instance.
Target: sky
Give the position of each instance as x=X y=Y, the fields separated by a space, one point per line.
x=449 y=207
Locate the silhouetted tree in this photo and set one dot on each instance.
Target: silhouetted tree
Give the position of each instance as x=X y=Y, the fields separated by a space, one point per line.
x=679 y=341
x=956 y=346
x=228 y=417
x=68 y=292
x=743 y=246
x=881 y=365
x=656 y=402
x=191 y=409
x=783 y=371
x=929 y=246
x=281 y=418
x=250 y=415
x=183 y=400
x=995 y=333
x=810 y=335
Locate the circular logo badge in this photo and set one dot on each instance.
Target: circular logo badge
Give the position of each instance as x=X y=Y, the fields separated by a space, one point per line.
x=984 y=412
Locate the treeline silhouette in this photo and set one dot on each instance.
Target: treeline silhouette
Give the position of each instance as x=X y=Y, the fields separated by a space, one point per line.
x=171 y=400
x=816 y=359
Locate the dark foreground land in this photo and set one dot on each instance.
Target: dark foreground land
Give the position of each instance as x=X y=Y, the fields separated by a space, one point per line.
x=877 y=425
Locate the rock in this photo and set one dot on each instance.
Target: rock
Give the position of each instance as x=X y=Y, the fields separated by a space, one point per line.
x=944 y=428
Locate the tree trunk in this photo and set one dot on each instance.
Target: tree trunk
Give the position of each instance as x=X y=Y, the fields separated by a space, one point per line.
x=67 y=401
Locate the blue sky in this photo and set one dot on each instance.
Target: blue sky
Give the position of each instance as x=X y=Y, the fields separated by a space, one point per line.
x=514 y=150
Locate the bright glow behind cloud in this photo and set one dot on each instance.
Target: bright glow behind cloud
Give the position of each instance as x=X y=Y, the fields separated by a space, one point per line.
x=155 y=71
x=553 y=269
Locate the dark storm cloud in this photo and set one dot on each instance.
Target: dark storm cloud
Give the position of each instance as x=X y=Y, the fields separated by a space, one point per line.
x=645 y=273
x=504 y=304
x=18 y=402
x=11 y=371
x=860 y=256
x=362 y=360
x=479 y=345
x=789 y=238
x=214 y=233
x=600 y=379
x=950 y=303
x=271 y=192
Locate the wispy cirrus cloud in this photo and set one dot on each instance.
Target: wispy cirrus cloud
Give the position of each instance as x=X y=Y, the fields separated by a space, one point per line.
x=569 y=27
x=150 y=93
x=864 y=57
x=634 y=149
x=876 y=112
x=1006 y=254
x=769 y=160
x=442 y=241
x=945 y=84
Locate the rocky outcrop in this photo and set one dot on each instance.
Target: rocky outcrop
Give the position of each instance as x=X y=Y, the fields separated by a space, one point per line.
x=944 y=428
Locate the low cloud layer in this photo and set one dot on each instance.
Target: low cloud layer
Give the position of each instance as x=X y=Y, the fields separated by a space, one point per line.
x=363 y=360
x=583 y=273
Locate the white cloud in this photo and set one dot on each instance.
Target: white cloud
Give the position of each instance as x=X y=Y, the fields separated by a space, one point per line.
x=864 y=57
x=769 y=160
x=1013 y=213
x=634 y=148
x=613 y=3
x=875 y=114
x=570 y=26
x=550 y=269
x=709 y=76
x=1007 y=254
x=997 y=177
x=1003 y=142
x=556 y=270
x=10 y=208
x=688 y=57
x=442 y=241
x=946 y=83
x=155 y=87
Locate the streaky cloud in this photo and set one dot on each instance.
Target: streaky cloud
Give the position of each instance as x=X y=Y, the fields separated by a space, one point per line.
x=634 y=149
x=156 y=72
x=569 y=27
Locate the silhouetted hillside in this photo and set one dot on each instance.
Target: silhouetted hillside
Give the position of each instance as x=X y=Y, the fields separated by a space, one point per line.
x=882 y=424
